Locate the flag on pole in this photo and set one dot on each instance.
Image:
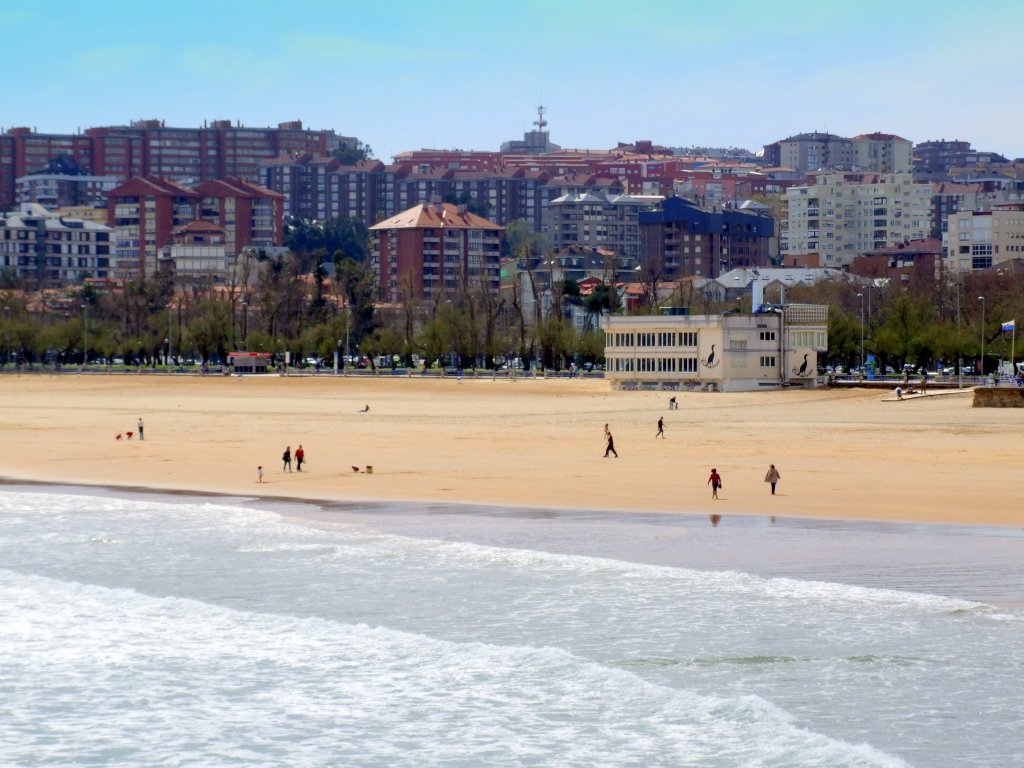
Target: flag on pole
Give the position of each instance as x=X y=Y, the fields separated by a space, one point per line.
x=1008 y=325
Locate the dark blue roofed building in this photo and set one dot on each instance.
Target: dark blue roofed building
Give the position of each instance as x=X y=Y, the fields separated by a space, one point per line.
x=683 y=239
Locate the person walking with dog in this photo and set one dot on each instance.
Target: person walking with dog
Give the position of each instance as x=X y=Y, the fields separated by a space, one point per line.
x=772 y=477
x=287 y=459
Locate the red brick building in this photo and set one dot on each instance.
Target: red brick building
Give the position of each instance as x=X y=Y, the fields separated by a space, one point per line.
x=149 y=148
x=143 y=213
x=251 y=215
x=441 y=248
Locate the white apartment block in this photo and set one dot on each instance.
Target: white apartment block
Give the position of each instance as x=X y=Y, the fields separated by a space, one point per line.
x=49 y=250
x=844 y=216
x=982 y=239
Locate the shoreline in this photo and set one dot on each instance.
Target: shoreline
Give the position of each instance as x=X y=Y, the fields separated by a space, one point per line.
x=978 y=563
x=843 y=455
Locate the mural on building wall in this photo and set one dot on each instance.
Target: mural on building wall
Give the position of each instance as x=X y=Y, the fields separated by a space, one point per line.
x=807 y=368
x=710 y=361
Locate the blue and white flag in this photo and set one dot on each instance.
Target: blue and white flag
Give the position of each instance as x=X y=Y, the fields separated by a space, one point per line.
x=1008 y=326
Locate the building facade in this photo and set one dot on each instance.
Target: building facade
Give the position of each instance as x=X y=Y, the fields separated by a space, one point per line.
x=143 y=212
x=977 y=240
x=435 y=251
x=150 y=148
x=771 y=349
x=683 y=239
x=250 y=215
x=56 y=190
x=598 y=221
x=195 y=255
x=817 y=151
x=846 y=215
x=48 y=250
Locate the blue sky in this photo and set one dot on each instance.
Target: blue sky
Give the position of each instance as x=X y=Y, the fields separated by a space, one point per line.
x=451 y=74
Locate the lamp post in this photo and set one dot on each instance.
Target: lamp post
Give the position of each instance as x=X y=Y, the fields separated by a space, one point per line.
x=959 y=370
x=7 y=331
x=348 y=322
x=170 y=333
x=245 y=323
x=167 y=354
x=861 y=296
x=338 y=354
x=85 y=334
x=982 y=300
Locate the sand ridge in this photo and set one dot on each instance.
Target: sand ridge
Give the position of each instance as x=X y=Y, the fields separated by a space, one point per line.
x=851 y=454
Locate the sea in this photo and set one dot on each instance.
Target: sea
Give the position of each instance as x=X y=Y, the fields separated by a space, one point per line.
x=141 y=629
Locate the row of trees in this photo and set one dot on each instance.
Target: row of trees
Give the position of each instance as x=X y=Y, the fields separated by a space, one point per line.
x=313 y=302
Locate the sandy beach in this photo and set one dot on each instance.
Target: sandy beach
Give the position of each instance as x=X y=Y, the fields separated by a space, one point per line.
x=851 y=454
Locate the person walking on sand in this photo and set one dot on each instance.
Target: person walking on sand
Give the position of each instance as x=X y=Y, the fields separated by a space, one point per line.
x=715 y=481
x=661 y=428
x=300 y=456
x=672 y=404
x=772 y=477
x=139 y=426
x=610 y=448
x=259 y=473
x=287 y=459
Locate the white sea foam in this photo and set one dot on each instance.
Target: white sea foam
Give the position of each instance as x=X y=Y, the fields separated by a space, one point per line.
x=246 y=639
x=97 y=670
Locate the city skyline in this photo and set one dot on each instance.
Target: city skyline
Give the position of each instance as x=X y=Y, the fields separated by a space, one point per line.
x=427 y=75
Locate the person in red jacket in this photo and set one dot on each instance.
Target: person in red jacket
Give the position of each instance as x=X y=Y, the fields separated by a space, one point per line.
x=715 y=481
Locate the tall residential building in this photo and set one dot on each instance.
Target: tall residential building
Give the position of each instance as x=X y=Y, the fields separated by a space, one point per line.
x=598 y=221
x=982 y=239
x=846 y=215
x=143 y=212
x=59 y=190
x=811 y=152
x=149 y=148
x=436 y=251
x=939 y=157
x=250 y=215
x=683 y=239
x=48 y=250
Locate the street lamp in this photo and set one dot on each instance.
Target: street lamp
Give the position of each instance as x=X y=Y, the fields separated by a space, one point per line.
x=7 y=332
x=245 y=323
x=85 y=334
x=861 y=296
x=959 y=371
x=167 y=354
x=982 y=300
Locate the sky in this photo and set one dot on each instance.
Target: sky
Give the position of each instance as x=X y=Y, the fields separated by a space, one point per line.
x=449 y=74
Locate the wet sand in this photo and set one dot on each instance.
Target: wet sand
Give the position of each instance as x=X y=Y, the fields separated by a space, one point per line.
x=845 y=454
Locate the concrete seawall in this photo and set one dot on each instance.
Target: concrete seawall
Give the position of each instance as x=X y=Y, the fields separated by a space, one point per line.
x=1010 y=396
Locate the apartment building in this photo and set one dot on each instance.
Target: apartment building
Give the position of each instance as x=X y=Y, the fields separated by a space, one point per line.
x=150 y=148
x=841 y=216
x=196 y=254
x=684 y=239
x=48 y=250
x=811 y=152
x=251 y=215
x=977 y=240
x=143 y=212
x=598 y=221
x=436 y=250
x=58 y=190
